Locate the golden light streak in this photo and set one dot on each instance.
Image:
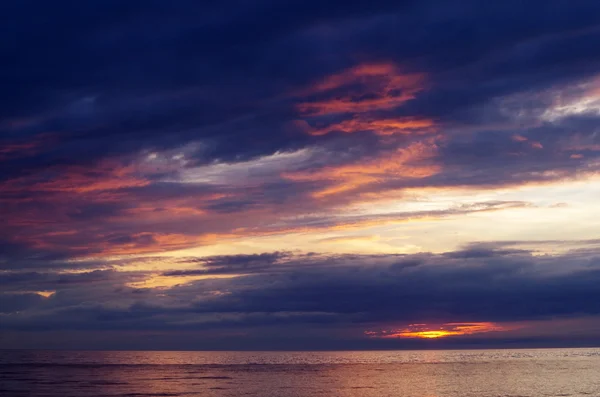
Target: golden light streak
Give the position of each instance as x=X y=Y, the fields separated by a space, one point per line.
x=166 y=282
x=45 y=294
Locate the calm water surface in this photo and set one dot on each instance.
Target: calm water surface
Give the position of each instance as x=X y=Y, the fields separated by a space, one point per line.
x=481 y=373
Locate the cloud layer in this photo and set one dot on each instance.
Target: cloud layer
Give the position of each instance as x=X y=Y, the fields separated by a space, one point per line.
x=351 y=137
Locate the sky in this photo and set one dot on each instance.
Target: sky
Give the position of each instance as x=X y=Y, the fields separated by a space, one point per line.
x=266 y=174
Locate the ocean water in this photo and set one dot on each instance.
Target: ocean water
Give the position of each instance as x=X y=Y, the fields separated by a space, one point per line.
x=476 y=373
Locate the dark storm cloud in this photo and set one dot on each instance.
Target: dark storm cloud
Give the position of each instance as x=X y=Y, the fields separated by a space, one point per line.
x=459 y=286
x=480 y=283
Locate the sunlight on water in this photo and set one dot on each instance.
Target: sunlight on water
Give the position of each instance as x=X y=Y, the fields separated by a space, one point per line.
x=493 y=373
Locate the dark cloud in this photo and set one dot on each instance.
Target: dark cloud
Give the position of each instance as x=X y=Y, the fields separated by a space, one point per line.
x=10 y=303
x=232 y=264
x=111 y=78
x=354 y=291
x=460 y=286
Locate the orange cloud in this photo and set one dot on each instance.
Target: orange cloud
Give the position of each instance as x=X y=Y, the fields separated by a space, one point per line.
x=108 y=175
x=171 y=208
x=366 y=87
x=408 y=162
x=105 y=176
x=404 y=125
x=142 y=243
x=426 y=331
x=365 y=73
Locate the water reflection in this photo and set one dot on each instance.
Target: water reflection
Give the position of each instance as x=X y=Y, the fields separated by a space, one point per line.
x=342 y=374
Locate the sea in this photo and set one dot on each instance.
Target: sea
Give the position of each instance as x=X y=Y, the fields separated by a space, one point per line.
x=449 y=373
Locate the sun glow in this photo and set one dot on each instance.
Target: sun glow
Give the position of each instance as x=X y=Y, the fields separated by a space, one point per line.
x=430 y=334
x=45 y=294
x=435 y=331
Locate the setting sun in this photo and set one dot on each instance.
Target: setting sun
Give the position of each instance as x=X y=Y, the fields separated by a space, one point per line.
x=430 y=334
x=434 y=331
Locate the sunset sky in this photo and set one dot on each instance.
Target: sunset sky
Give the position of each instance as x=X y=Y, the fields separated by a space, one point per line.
x=268 y=174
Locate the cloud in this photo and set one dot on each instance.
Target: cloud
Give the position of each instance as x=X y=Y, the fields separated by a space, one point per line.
x=450 y=288
x=10 y=303
x=362 y=292
x=132 y=131
x=380 y=87
x=183 y=93
x=232 y=264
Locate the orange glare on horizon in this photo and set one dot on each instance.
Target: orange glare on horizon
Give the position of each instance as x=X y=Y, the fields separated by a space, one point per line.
x=430 y=334
x=425 y=331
